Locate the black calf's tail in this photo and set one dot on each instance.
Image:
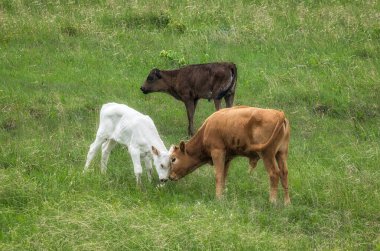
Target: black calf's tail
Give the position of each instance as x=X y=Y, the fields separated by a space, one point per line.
x=232 y=84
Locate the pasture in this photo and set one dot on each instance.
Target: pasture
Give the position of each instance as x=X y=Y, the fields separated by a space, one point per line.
x=318 y=61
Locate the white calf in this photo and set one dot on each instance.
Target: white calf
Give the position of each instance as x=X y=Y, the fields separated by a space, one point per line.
x=124 y=125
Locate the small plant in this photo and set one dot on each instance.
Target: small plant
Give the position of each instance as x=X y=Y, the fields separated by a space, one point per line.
x=177 y=26
x=9 y=125
x=173 y=57
x=70 y=30
x=132 y=20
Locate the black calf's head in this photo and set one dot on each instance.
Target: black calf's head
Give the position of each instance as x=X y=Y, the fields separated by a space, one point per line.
x=153 y=82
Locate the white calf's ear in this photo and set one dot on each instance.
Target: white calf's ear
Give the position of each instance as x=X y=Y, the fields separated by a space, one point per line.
x=155 y=151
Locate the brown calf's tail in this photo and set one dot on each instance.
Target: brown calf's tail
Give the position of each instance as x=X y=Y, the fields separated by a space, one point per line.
x=280 y=122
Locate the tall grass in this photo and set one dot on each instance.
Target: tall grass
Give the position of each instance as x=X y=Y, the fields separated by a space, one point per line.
x=61 y=60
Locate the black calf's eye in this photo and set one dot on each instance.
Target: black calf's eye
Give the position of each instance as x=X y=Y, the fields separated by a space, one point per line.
x=173 y=159
x=162 y=166
x=150 y=78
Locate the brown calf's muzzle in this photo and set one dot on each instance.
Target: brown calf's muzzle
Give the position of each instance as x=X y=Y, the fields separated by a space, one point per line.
x=173 y=176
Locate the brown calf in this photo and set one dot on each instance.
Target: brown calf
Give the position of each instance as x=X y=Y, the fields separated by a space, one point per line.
x=193 y=82
x=246 y=131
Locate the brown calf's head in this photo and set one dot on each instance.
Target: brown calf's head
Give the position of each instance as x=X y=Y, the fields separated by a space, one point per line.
x=181 y=162
x=153 y=82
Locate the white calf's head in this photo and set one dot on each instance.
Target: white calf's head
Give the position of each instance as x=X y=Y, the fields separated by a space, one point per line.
x=162 y=164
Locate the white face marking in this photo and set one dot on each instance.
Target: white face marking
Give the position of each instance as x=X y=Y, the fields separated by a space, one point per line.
x=162 y=165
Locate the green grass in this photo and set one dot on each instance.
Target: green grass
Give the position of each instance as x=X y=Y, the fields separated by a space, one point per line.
x=60 y=61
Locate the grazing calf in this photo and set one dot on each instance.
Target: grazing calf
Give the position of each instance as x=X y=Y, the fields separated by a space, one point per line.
x=246 y=131
x=124 y=125
x=193 y=82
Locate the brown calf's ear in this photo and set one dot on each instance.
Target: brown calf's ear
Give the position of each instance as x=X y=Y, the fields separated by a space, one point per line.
x=155 y=151
x=173 y=148
x=182 y=146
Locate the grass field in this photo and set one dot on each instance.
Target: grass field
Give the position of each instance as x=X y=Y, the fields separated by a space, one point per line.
x=60 y=61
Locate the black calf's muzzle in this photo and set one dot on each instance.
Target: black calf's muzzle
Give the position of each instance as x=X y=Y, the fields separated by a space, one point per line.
x=143 y=90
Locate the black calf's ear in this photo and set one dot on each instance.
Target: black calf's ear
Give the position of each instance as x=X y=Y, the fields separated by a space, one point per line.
x=182 y=147
x=157 y=73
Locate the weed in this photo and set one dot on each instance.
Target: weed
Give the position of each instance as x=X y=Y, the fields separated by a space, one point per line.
x=174 y=57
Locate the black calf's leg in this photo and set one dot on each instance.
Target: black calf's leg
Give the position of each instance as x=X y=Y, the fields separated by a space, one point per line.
x=218 y=104
x=229 y=100
x=190 y=109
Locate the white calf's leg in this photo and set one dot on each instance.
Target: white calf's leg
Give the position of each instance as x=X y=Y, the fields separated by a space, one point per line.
x=106 y=150
x=94 y=147
x=148 y=165
x=135 y=154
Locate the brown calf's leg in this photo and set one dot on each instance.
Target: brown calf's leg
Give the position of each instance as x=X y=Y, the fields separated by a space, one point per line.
x=226 y=168
x=270 y=165
x=218 y=159
x=253 y=163
x=282 y=165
